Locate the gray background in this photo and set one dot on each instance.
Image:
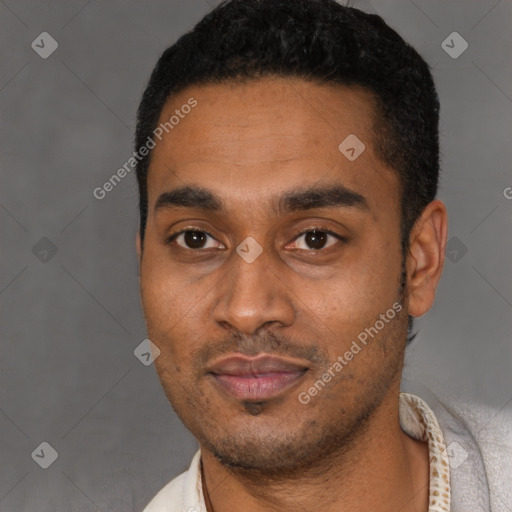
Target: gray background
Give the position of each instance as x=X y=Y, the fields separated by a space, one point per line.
x=70 y=321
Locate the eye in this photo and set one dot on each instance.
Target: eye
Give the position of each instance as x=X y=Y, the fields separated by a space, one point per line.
x=316 y=239
x=193 y=239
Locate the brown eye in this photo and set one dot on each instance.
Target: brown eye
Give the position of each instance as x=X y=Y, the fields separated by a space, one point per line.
x=193 y=239
x=316 y=239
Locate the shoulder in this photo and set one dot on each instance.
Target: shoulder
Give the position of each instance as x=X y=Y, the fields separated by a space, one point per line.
x=478 y=440
x=169 y=498
x=182 y=494
x=491 y=429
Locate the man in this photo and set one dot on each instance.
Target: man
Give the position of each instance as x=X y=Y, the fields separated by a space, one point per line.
x=289 y=233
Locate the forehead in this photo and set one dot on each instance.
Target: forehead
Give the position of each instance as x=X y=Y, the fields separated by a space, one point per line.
x=265 y=134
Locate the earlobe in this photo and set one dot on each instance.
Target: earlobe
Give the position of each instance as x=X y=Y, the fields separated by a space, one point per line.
x=138 y=245
x=425 y=259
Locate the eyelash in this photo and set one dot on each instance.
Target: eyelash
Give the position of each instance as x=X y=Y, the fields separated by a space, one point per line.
x=327 y=231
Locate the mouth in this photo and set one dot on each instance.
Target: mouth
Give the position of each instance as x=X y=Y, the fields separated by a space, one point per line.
x=256 y=378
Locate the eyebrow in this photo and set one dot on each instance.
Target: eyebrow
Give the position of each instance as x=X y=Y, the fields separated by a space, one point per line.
x=301 y=198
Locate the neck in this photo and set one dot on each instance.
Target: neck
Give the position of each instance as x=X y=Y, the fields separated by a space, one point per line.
x=383 y=470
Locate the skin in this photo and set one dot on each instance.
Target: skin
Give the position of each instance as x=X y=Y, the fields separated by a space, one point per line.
x=250 y=143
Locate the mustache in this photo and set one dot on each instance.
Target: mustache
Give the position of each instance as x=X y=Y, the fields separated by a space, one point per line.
x=268 y=342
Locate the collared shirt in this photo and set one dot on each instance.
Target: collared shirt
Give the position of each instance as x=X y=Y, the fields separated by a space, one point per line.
x=184 y=493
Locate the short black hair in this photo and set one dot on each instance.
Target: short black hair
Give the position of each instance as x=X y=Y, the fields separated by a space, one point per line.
x=318 y=40
x=321 y=41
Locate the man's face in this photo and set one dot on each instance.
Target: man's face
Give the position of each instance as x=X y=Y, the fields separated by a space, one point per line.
x=299 y=295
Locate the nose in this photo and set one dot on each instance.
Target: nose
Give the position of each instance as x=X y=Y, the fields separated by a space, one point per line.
x=252 y=295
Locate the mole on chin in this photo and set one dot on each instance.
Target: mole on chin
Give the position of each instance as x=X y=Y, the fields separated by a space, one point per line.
x=253 y=408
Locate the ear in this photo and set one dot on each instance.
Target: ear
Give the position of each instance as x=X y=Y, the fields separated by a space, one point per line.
x=425 y=260
x=138 y=245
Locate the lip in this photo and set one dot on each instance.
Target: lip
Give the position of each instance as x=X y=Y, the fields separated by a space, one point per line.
x=256 y=378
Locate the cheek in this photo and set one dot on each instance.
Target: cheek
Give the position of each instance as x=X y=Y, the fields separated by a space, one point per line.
x=172 y=312
x=342 y=308
x=377 y=270
x=357 y=288
x=161 y=291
